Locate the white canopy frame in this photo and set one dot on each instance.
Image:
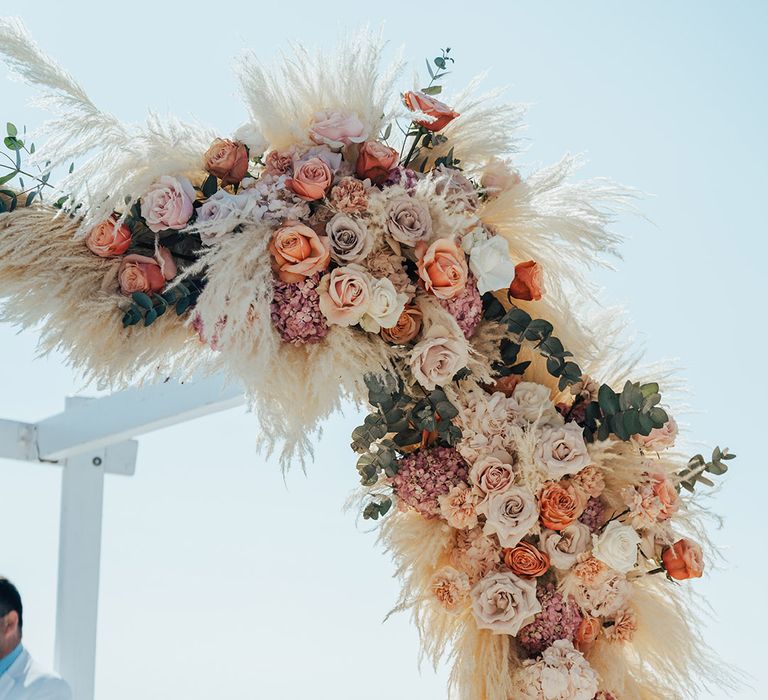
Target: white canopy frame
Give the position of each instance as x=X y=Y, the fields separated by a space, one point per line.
x=90 y=438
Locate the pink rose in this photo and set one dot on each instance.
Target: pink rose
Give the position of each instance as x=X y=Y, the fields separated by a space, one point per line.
x=108 y=240
x=375 y=161
x=659 y=438
x=168 y=204
x=311 y=180
x=491 y=474
x=227 y=160
x=442 y=267
x=345 y=295
x=139 y=273
x=298 y=252
x=337 y=129
x=666 y=493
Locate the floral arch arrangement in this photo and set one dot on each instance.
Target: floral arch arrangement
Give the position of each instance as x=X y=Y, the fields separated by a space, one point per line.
x=354 y=242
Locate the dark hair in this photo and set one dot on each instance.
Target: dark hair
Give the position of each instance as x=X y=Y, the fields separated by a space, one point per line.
x=10 y=600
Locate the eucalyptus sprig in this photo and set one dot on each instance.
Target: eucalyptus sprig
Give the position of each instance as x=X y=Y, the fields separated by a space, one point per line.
x=694 y=472
x=148 y=308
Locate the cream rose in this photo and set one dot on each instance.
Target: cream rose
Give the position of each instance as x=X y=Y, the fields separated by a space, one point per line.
x=503 y=602
x=509 y=514
x=385 y=306
x=565 y=546
x=533 y=401
x=492 y=474
x=408 y=221
x=436 y=359
x=489 y=261
x=617 y=546
x=562 y=450
x=168 y=204
x=345 y=295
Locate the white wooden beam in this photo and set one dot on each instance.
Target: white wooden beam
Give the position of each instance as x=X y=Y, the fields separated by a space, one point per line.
x=115 y=418
x=17 y=441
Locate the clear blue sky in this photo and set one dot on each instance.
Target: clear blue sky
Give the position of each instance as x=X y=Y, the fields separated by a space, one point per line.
x=220 y=580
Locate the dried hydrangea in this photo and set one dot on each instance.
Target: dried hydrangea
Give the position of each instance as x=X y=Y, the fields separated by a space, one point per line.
x=466 y=308
x=296 y=311
x=559 y=619
x=594 y=514
x=425 y=475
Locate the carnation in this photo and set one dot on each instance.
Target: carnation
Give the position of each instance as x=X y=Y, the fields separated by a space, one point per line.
x=605 y=595
x=458 y=506
x=474 y=553
x=425 y=475
x=562 y=673
x=559 y=619
x=295 y=311
x=450 y=587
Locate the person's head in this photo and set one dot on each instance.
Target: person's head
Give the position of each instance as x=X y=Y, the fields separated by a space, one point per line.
x=11 y=619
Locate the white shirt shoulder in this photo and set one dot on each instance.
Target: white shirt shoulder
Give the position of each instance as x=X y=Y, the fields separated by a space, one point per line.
x=26 y=680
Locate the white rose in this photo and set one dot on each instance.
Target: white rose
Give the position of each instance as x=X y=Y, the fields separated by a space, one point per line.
x=250 y=134
x=565 y=546
x=562 y=450
x=223 y=206
x=533 y=401
x=503 y=602
x=617 y=546
x=438 y=357
x=509 y=514
x=385 y=307
x=489 y=261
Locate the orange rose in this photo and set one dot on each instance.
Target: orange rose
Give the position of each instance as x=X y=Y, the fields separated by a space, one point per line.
x=139 y=273
x=527 y=283
x=312 y=180
x=560 y=504
x=108 y=240
x=587 y=633
x=442 y=267
x=683 y=560
x=442 y=113
x=525 y=560
x=298 y=252
x=406 y=328
x=227 y=160
x=506 y=385
x=375 y=161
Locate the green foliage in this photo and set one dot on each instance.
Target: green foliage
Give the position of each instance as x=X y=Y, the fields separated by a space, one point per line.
x=22 y=196
x=634 y=411
x=377 y=508
x=148 y=308
x=697 y=465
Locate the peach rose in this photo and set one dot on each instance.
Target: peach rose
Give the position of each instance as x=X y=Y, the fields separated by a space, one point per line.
x=345 y=295
x=406 y=328
x=506 y=385
x=667 y=495
x=526 y=561
x=298 y=252
x=108 y=239
x=227 y=160
x=560 y=504
x=683 y=560
x=587 y=633
x=311 y=180
x=374 y=161
x=442 y=267
x=527 y=283
x=442 y=113
x=140 y=273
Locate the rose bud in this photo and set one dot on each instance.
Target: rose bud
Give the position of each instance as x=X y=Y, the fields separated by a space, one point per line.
x=227 y=160
x=442 y=113
x=108 y=239
x=374 y=161
x=527 y=283
x=683 y=560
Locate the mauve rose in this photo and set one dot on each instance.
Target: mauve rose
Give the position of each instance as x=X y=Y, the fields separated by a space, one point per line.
x=562 y=450
x=349 y=239
x=406 y=328
x=503 y=602
x=526 y=285
x=168 y=204
x=442 y=267
x=492 y=474
x=436 y=359
x=337 y=129
x=509 y=514
x=345 y=295
x=442 y=114
x=374 y=161
x=683 y=560
x=140 y=273
x=311 y=180
x=108 y=239
x=298 y=252
x=408 y=221
x=227 y=160
x=565 y=546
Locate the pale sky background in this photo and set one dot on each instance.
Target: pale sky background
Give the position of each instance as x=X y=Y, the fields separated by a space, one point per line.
x=219 y=580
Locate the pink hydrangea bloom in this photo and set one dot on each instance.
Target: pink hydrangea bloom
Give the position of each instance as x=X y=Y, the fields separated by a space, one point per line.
x=594 y=514
x=559 y=619
x=296 y=311
x=466 y=308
